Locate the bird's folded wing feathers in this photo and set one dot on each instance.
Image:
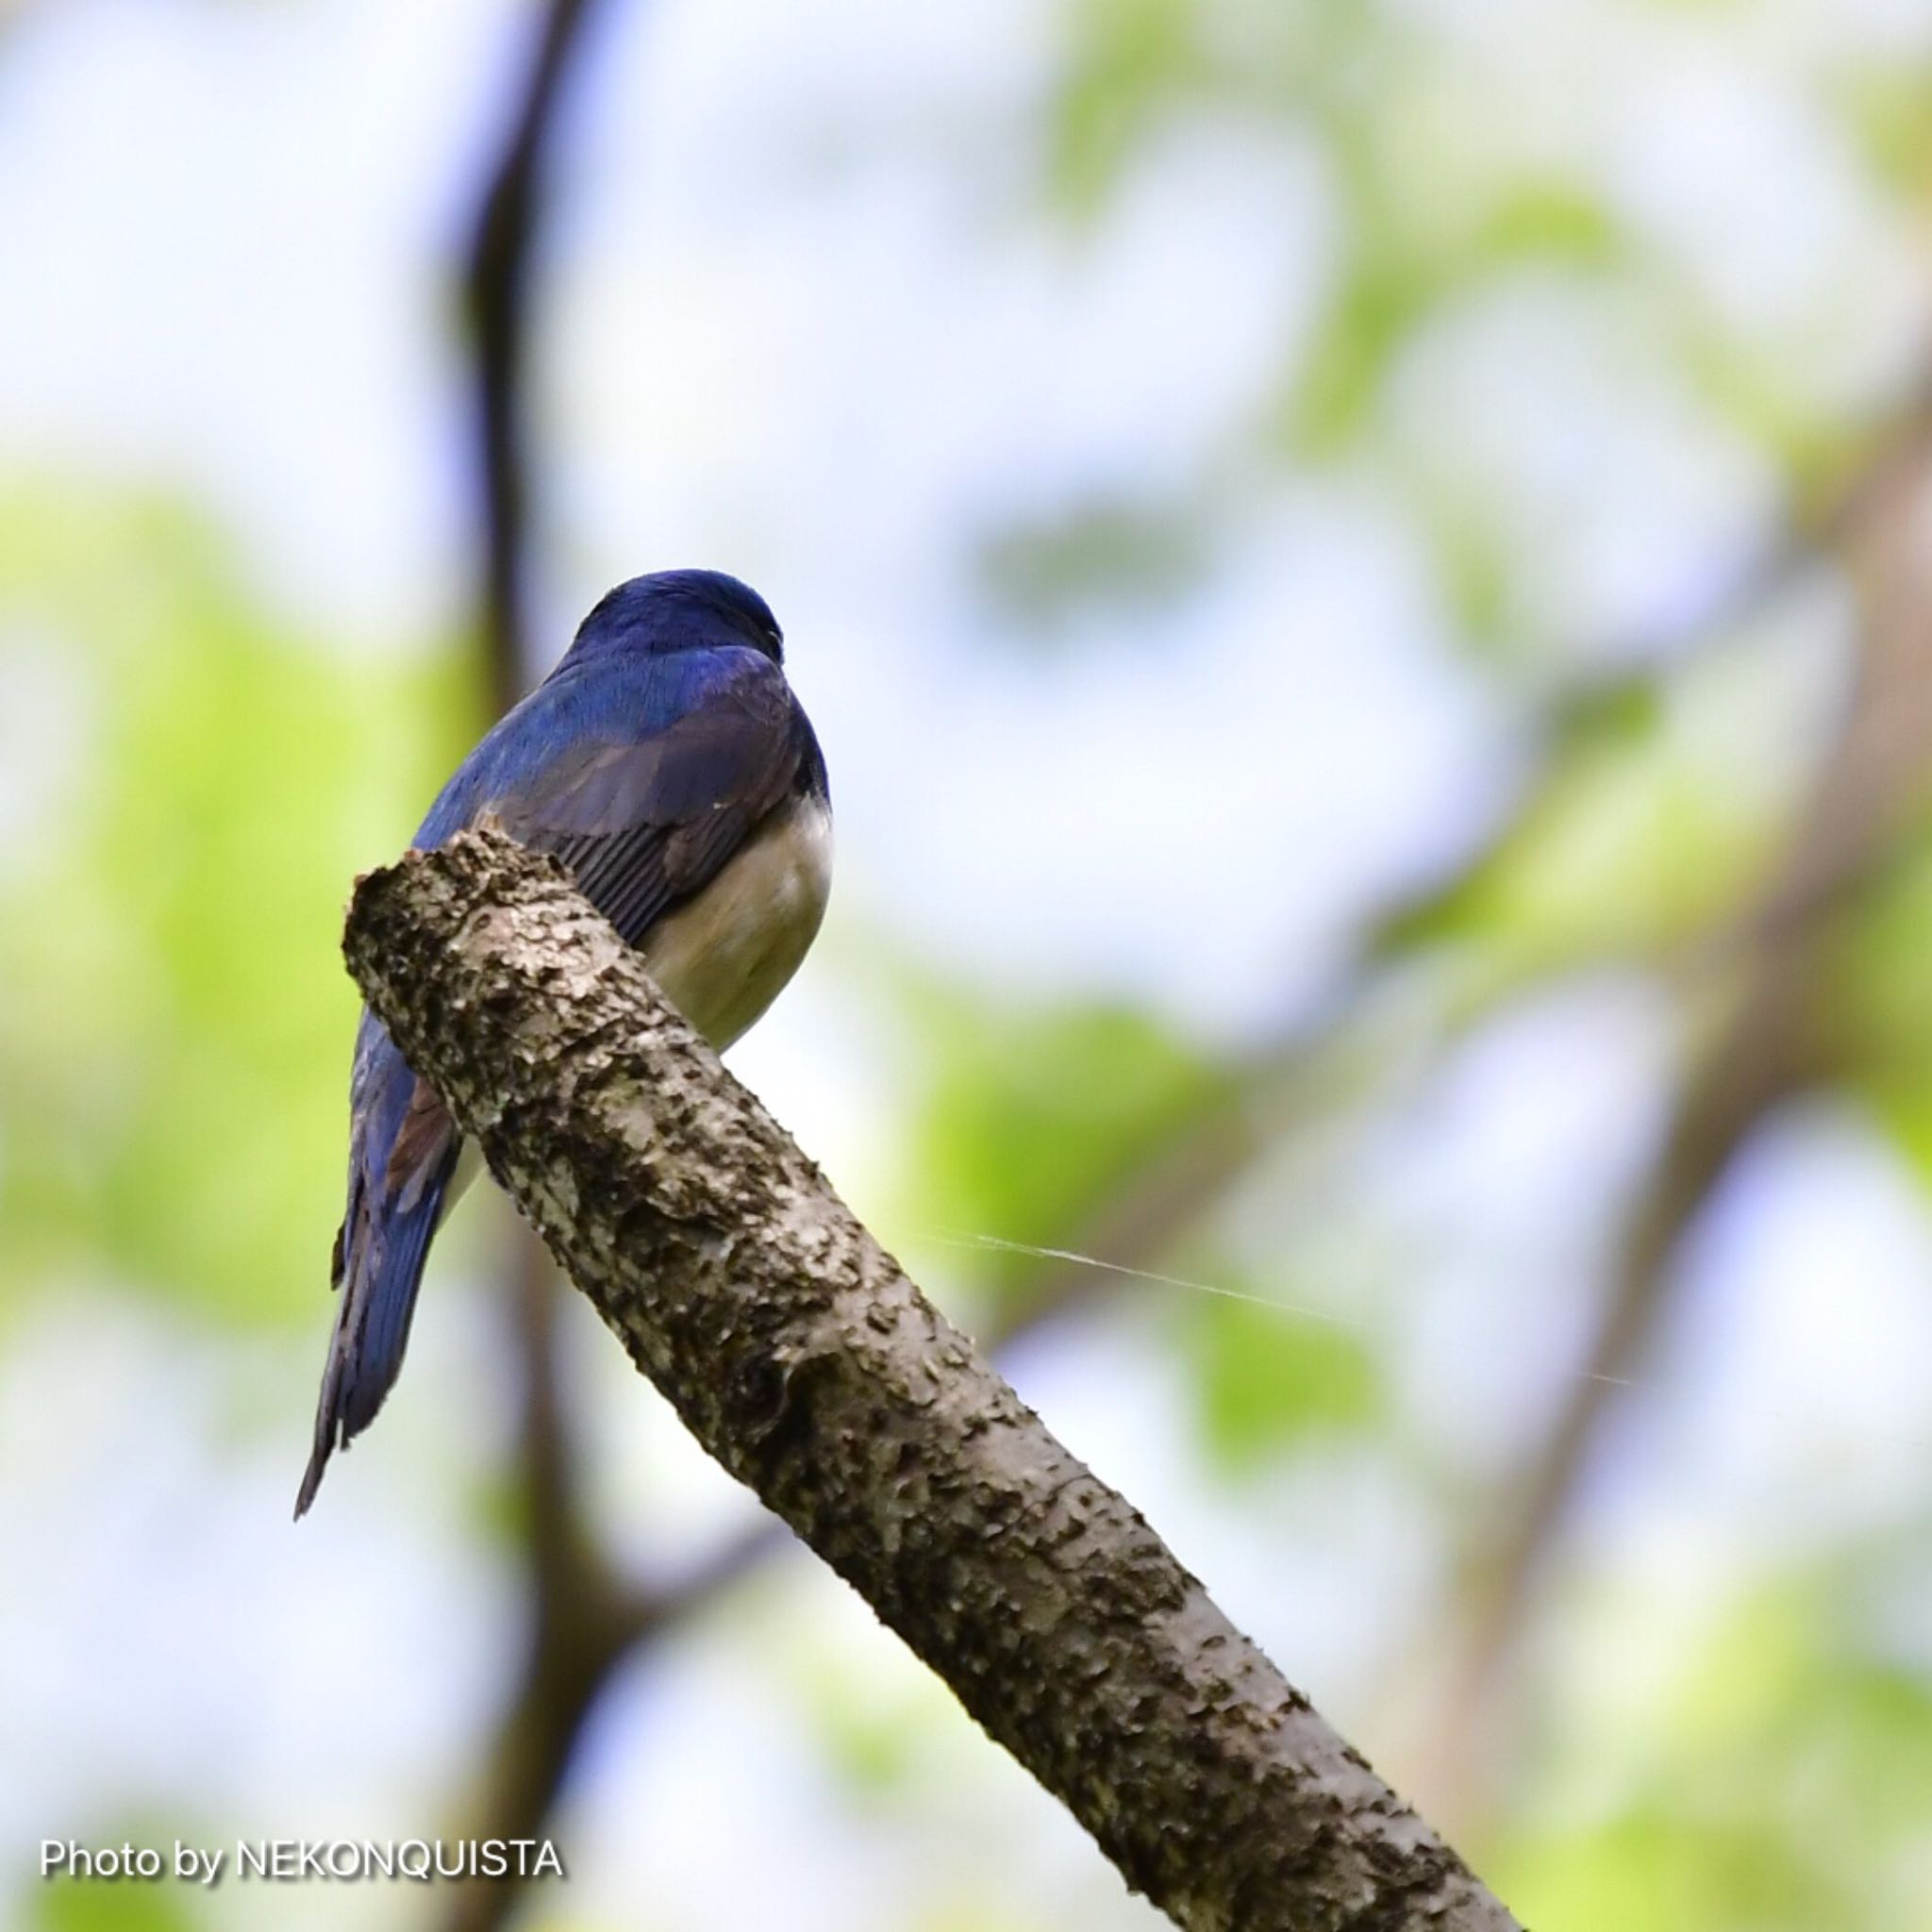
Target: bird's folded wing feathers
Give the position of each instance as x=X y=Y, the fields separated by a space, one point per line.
x=642 y=825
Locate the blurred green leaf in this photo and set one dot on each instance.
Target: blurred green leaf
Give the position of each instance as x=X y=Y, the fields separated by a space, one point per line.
x=1544 y=219
x=1669 y=1870
x=1884 y=109
x=118 y=1905
x=1268 y=1379
x=1880 y=1021
x=1382 y=299
x=1031 y=1117
x=1644 y=830
x=1129 y=57
x=173 y=1049
x=1779 y=1783
x=875 y=1747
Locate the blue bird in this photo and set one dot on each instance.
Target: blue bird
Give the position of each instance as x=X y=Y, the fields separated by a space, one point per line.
x=666 y=762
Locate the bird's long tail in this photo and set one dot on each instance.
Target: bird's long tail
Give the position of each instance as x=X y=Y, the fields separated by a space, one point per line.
x=403 y=1154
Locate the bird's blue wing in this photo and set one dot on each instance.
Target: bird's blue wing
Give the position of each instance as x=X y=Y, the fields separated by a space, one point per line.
x=645 y=823
x=642 y=776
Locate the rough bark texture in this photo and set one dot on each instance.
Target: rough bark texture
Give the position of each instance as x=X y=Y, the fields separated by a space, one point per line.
x=805 y=1360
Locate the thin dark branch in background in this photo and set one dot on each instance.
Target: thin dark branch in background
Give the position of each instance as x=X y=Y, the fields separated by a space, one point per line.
x=1184 y=1179
x=1776 y=1040
x=496 y=289
x=1638 y=666
x=574 y=1652
x=805 y=1360
x=580 y=1619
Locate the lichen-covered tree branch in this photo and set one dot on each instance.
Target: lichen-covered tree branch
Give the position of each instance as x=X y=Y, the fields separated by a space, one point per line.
x=805 y=1360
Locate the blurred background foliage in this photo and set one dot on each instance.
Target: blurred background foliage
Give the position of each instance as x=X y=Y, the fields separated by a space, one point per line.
x=204 y=784
x=1366 y=577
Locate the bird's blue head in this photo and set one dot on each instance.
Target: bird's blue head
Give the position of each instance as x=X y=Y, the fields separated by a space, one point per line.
x=680 y=610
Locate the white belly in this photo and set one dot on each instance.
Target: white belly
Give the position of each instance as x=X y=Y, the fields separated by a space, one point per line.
x=725 y=956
